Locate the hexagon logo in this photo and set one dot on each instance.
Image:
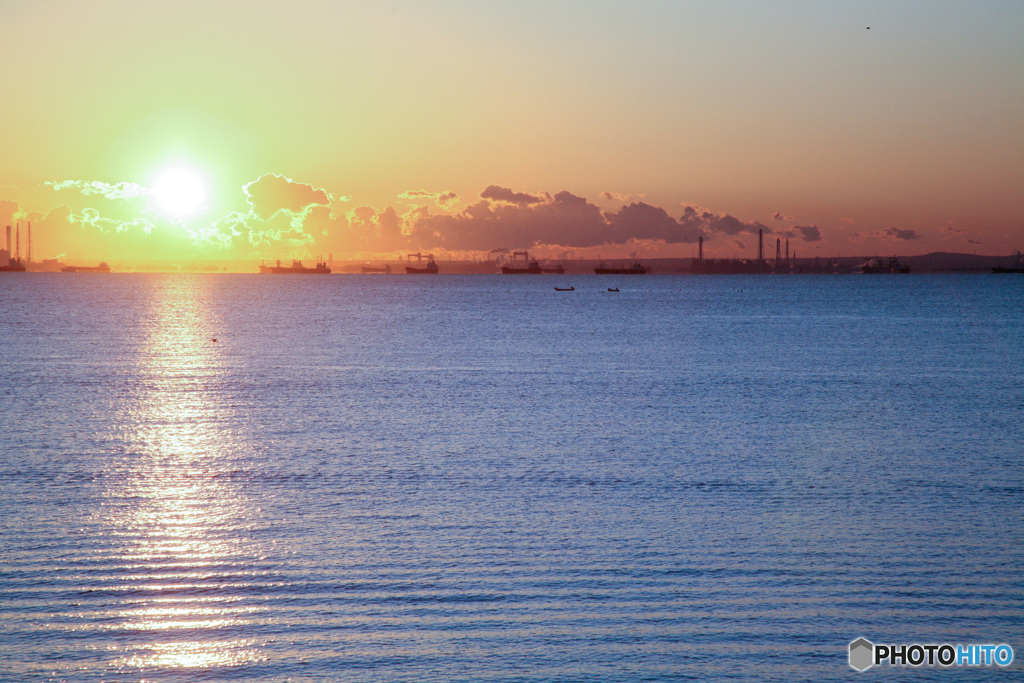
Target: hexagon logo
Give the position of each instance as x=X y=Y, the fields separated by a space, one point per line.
x=862 y=654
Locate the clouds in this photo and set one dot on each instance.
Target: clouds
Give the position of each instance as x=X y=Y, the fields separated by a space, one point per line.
x=282 y=214
x=730 y=225
x=88 y=234
x=807 y=233
x=445 y=200
x=274 y=216
x=519 y=220
x=954 y=232
x=503 y=217
x=223 y=232
x=504 y=194
x=92 y=218
x=274 y=210
x=123 y=190
x=119 y=214
x=898 y=234
x=564 y=219
x=271 y=193
x=639 y=220
x=621 y=197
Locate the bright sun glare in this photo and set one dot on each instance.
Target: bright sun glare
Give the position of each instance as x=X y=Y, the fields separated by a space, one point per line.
x=179 y=191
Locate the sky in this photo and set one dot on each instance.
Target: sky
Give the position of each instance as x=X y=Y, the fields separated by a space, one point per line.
x=238 y=131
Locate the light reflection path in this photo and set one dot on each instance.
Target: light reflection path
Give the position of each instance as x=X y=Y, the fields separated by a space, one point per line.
x=180 y=525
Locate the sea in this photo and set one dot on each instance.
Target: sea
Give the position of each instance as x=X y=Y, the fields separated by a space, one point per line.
x=308 y=478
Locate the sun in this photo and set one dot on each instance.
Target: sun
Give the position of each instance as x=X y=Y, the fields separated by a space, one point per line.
x=180 y=191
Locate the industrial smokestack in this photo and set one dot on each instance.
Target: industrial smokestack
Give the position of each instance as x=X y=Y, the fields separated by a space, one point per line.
x=760 y=245
x=8 y=241
x=778 y=252
x=787 y=251
x=700 y=248
x=28 y=257
x=17 y=242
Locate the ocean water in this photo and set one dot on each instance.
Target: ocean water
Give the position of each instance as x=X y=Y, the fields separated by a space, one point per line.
x=478 y=478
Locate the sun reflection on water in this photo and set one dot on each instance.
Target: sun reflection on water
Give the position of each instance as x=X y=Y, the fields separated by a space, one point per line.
x=191 y=655
x=184 y=555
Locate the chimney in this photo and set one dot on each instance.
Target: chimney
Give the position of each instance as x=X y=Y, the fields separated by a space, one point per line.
x=700 y=248
x=778 y=252
x=8 y=241
x=28 y=257
x=17 y=242
x=760 y=245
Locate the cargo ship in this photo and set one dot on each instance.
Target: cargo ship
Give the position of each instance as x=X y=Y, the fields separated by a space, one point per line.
x=877 y=265
x=526 y=266
x=101 y=268
x=636 y=268
x=420 y=269
x=385 y=269
x=296 y=267
x=1017 y=267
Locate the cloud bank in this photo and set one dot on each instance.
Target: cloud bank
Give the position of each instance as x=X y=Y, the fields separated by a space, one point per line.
x=897 y=234
x=277 y=216
x=96 y=187
x=504 y=194
x=807 y=233
x=518 y=220
x=445 y=200
x=271 y=193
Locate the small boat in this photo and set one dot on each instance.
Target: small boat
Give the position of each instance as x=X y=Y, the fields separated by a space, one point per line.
x=296 y=267
x=636 y=268
x=565 y=289
x=419 y=269
x=101 y=268
x=613 y=289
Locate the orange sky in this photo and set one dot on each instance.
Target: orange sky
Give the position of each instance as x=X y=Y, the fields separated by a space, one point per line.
x=357 y=129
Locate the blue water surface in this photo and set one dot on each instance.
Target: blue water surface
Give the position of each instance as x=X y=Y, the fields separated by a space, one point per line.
x=478 y=478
